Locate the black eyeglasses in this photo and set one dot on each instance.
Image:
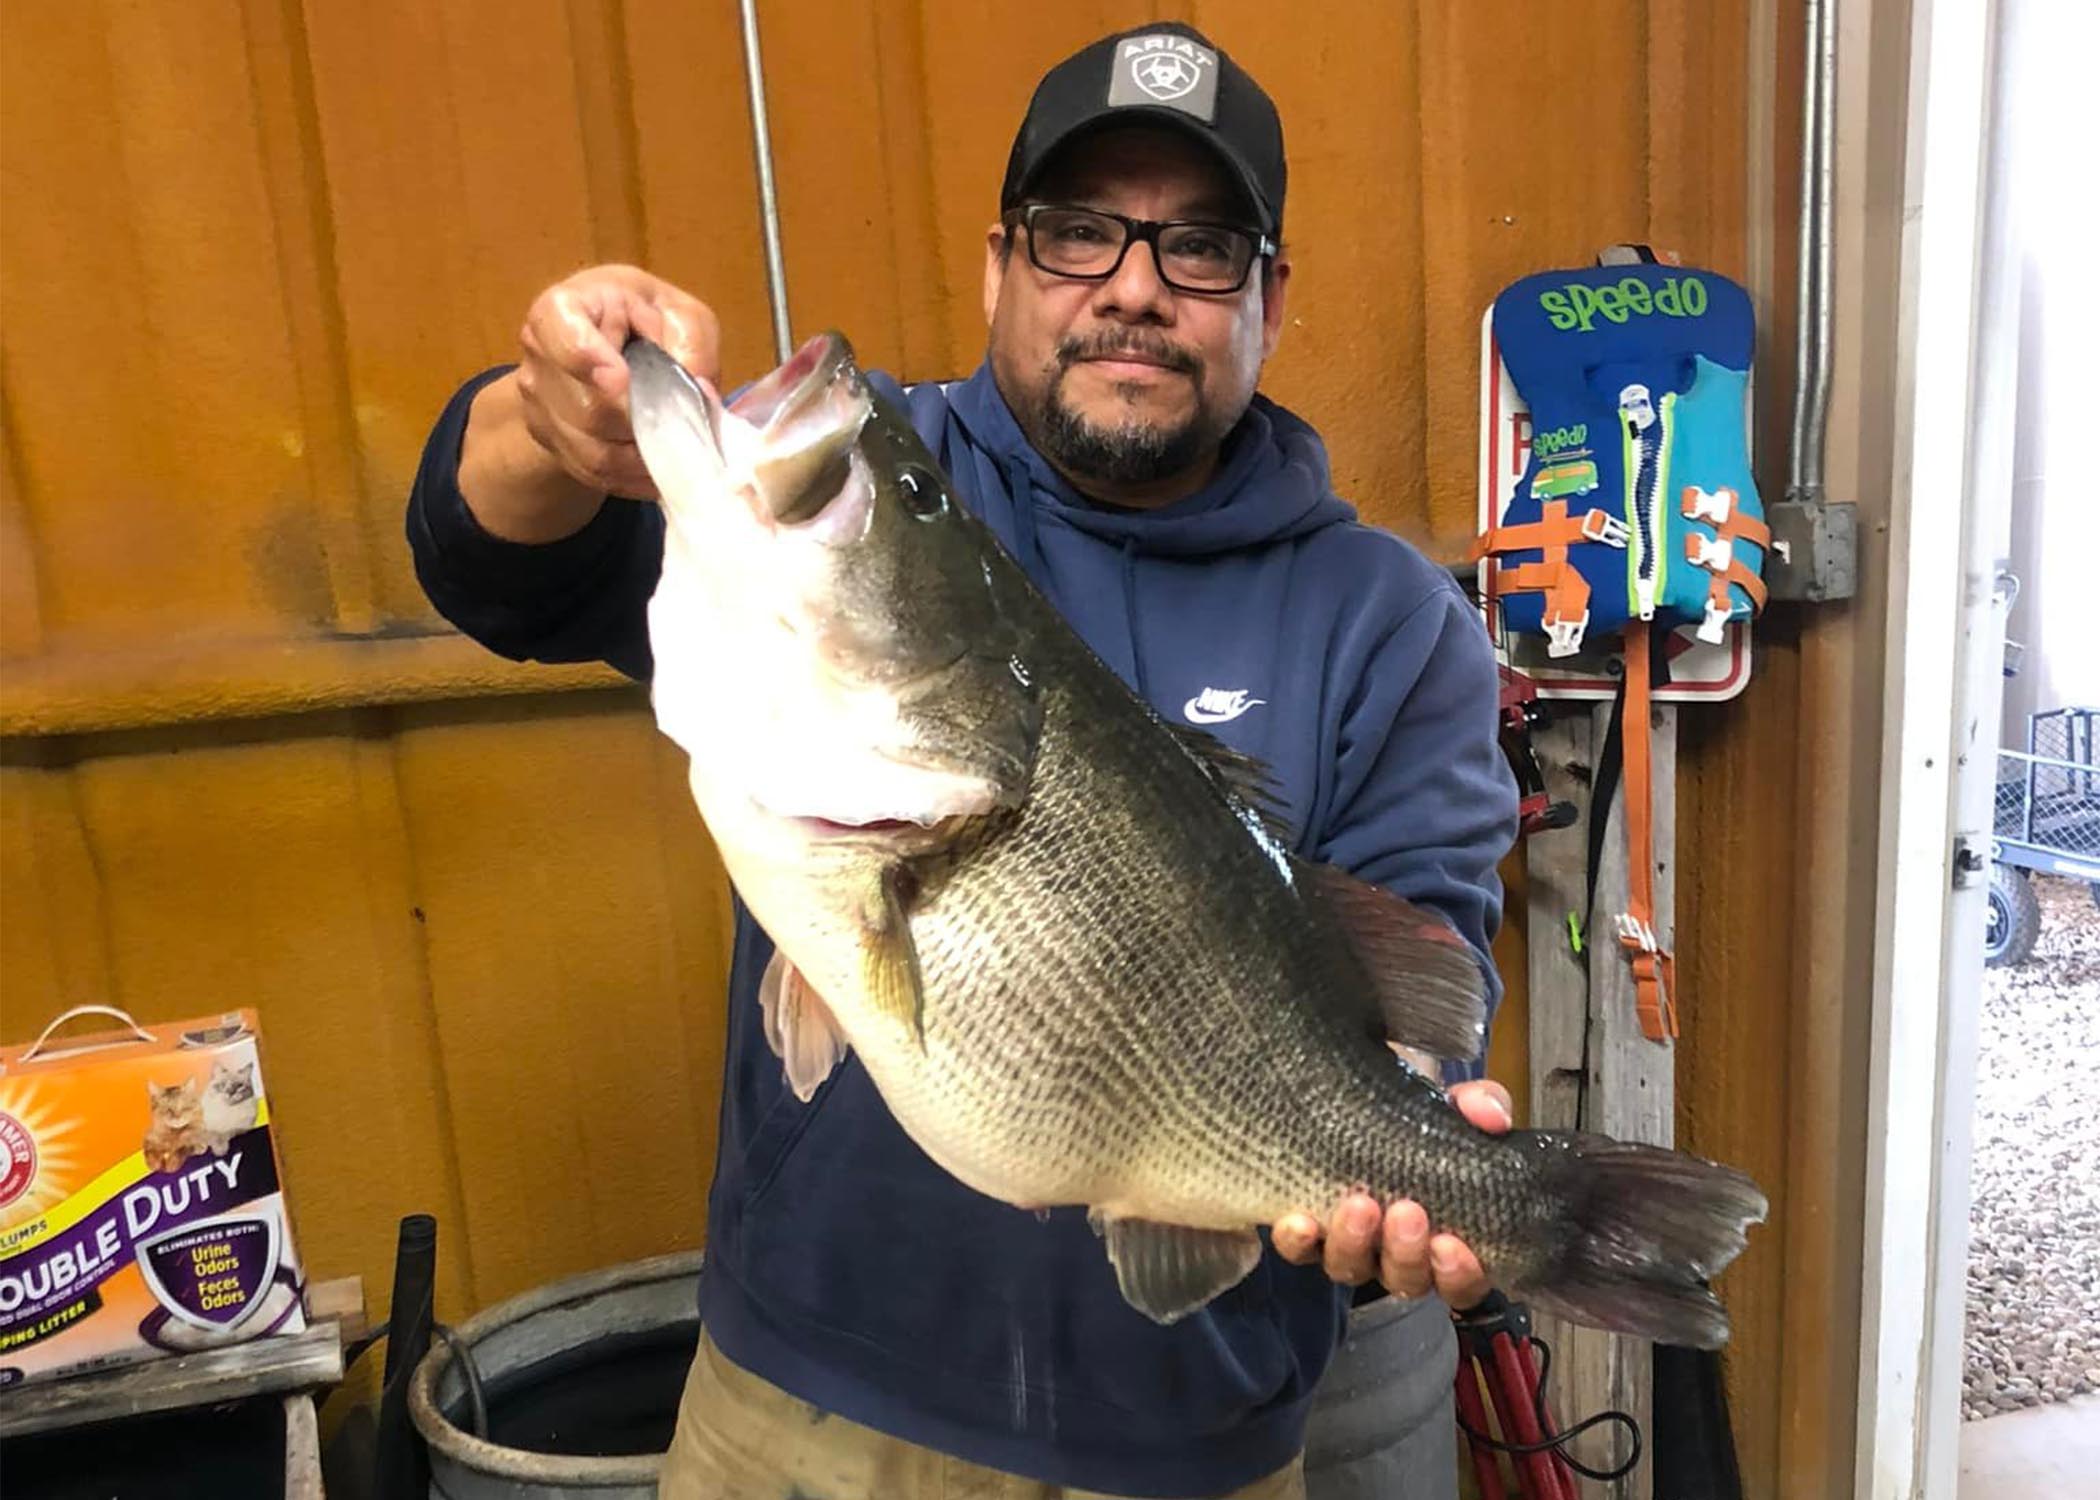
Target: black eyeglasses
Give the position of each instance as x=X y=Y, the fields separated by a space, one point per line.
x=1088 y=244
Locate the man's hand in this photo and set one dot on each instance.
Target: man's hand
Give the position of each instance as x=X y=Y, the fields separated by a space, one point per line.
x=547 y=443
x=1398 y=1250
x=573 y=381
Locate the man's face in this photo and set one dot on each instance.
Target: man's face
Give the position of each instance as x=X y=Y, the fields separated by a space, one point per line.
x=1128 y=381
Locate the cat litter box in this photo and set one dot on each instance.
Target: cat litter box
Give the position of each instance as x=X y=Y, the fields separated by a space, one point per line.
x=141 y=1212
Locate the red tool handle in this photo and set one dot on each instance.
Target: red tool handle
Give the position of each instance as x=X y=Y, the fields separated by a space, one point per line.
x=1474 y=1414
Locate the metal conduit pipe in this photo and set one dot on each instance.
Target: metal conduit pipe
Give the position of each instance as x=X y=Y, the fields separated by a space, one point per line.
x=1815 y=543
x=768 y=197
x=1825 y=56
x=1805 y=336
x=1813 y=311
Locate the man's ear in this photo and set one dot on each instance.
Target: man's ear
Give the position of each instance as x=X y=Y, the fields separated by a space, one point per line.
x=1273 y=282
x=998 y=249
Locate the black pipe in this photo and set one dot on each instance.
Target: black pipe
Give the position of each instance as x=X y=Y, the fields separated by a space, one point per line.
x=401 y=1468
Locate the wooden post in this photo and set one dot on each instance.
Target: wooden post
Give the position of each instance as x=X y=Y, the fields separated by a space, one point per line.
x=1590 y=1066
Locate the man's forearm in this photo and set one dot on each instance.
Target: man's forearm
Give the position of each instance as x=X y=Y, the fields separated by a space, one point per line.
x=516 y=489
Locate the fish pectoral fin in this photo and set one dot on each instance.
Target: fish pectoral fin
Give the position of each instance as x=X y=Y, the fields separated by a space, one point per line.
x=1167 y=1271
x=889 y=959
x=800 y=1027
x=1426 y=979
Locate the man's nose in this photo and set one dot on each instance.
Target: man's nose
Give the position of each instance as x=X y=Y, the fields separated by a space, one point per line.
x=1137 y=292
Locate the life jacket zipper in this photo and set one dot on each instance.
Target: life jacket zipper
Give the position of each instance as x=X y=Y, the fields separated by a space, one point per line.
x=1647 y=462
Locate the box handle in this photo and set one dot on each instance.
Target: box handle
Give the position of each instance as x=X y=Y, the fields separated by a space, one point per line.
x=86 y=1010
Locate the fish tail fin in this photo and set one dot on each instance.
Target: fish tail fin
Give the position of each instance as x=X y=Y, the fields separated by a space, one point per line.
x=1643 y=1232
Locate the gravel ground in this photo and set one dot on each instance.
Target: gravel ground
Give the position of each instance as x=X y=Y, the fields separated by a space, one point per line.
x=2034 y=1219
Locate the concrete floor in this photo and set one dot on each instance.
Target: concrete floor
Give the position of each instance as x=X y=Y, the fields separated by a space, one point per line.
x=2042 y=1453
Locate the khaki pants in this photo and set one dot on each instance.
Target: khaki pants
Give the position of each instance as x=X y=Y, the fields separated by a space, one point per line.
x=741 y=1438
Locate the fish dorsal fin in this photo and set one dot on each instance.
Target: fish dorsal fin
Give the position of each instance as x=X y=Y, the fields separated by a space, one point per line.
x=799 y=1027
x=1167 y=1271
x=1243 y=778
x=1427 y=980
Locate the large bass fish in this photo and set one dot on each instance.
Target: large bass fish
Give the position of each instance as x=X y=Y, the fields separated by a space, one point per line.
x=1073 y=956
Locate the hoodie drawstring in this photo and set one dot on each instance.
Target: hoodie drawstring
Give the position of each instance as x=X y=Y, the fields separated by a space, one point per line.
x=1021 y=491
x=1130 y=619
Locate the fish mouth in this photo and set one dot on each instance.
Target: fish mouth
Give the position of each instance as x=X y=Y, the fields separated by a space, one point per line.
x=833 y=828
x=808 y=416
x=894 y=836
x=807 y=371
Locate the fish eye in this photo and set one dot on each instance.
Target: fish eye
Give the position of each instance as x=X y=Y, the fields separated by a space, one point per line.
x=921 y=492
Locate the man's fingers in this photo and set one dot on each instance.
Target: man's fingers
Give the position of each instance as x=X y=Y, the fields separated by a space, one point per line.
x=611 y=467
x=616 y=468
x=1296 y=1238
x=689 y=332
x=1403 y=1251
x=1350 y=1254
x=579 y=327
x=582 y=325
x=635 y=303
x=1486 y=1104
x=1460 y=1281
x=573 y=404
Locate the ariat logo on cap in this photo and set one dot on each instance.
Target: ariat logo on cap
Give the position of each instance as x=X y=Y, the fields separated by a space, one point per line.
x=1165 y=69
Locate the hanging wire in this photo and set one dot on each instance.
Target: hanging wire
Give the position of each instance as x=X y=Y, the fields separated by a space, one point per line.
x=1558 y=1443
x=462 y=1355
x=477 y=1403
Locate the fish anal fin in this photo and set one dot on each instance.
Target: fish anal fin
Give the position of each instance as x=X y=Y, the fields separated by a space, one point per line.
x=800 y=1027
x=1167 y=1271
x=1426 y=979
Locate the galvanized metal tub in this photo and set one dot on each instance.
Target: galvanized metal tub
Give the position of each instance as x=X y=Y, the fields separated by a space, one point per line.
x=1382 y=1423
x=581 y=1381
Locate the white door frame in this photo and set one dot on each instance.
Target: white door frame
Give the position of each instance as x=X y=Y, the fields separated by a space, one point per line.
x=1948 y=527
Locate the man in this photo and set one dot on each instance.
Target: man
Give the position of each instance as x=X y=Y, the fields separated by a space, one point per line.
x=874 y=1328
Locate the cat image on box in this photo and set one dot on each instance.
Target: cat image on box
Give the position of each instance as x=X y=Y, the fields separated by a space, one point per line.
x=229 y=1103
x=176 y=1130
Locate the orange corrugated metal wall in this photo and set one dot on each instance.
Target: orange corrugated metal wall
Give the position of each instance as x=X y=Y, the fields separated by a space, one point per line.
x=249 y=248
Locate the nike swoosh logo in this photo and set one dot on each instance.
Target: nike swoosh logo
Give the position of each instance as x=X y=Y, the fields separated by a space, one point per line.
x=1196 y=713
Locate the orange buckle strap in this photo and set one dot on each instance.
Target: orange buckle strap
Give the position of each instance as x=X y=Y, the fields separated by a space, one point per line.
x=1718 y=509
x=1554 y=528
x=1567 y=605
x=1567 y=612
x=1654 y=974
x=1654 y=979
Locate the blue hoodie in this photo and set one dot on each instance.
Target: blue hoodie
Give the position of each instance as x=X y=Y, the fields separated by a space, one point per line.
x=843 y=1265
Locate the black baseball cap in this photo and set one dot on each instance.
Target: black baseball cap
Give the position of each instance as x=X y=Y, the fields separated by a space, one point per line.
x=1170 y=74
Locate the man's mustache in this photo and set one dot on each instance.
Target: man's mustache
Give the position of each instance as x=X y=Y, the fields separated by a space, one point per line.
x=1126 y=343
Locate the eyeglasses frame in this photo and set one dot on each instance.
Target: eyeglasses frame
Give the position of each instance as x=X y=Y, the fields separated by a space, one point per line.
x=1135 y=231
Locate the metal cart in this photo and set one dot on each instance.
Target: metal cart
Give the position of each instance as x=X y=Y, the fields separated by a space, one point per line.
x=2047 y=818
